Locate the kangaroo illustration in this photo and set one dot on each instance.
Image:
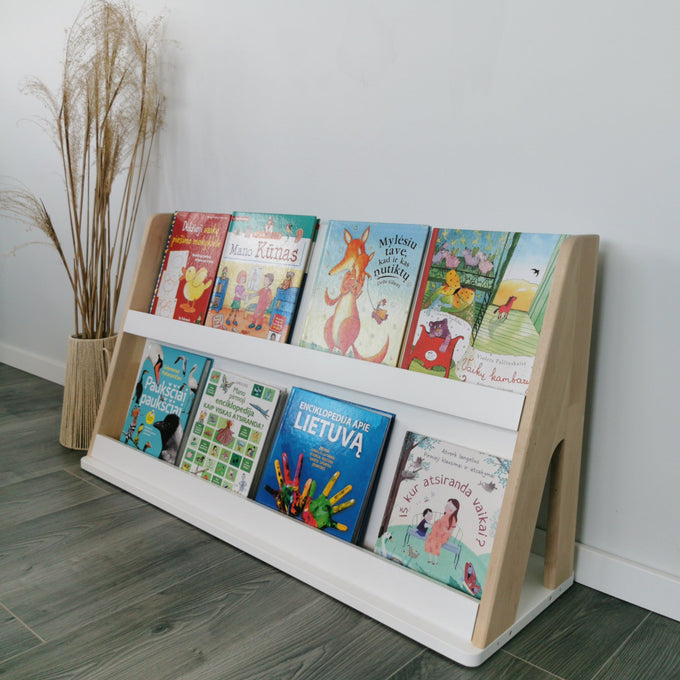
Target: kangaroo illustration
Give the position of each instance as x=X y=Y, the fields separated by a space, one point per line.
x=356 y=258
x=344 y=325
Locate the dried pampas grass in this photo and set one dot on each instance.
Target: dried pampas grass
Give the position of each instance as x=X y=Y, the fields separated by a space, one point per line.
x=104 y=119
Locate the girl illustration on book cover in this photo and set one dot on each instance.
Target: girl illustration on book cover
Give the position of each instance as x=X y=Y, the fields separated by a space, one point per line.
x=442 y=530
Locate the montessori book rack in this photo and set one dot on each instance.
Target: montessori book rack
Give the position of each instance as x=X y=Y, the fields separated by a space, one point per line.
x=541 y=432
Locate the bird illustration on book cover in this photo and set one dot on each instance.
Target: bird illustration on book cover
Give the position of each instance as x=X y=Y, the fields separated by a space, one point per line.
x=364 y=288
x=167 y=384
x=441 y=516
x=479 y=309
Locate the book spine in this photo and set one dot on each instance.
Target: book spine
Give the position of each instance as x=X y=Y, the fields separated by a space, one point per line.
x=154 y=299
x=303 y=282
x=394 y=489
x=216 y=270
x=191 y=417
x=406 y=355
x=425 y=257
x=267 y=444
x=372 y=486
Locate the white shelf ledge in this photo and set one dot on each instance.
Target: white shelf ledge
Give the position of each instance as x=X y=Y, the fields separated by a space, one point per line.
x=477 y=403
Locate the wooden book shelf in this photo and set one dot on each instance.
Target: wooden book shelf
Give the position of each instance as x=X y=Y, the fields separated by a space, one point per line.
x=542 y=432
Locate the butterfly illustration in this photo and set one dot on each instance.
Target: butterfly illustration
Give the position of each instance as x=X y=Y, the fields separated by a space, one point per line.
x=452 y=293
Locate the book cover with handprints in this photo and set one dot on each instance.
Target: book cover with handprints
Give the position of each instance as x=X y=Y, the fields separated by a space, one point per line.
x=163 y=400
x=479 y=308
x=189 y=266
x=230 y=431
x=261 y=274
x=324 y=461
x=441 y=516
x=364 y=287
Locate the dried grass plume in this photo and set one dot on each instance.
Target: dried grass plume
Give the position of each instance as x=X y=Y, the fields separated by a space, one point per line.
x=103 y=118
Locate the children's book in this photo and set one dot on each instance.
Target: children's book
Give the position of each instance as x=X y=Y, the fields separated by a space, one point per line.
x=163 y=400
x=324 y=461
x=233 y=419
x=189 y=267
x=480 y=304
x=364 y=289
x=261 y=274
x=442 y=511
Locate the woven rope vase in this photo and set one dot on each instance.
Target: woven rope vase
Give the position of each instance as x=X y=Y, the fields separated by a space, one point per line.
x=87 y=364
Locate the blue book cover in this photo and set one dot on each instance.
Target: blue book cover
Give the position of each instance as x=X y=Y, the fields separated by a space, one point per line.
x=364 y=288
x=162 y=400
x=324 y=461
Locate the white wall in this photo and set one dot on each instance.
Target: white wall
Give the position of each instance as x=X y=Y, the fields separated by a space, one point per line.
x=529 y=116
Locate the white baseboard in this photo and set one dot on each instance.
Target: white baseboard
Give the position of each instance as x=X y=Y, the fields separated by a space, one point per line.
x=631 y=581
x=36 y=364
x=624 y=579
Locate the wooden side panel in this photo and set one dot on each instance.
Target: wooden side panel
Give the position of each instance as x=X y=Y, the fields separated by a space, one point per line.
x=128 y=351
x=149 y=262
x=566 y=463
x=553 y=413
x=127 y=355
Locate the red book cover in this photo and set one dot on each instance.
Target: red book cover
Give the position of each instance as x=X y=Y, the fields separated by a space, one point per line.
x=190 y=265
x=412 y=327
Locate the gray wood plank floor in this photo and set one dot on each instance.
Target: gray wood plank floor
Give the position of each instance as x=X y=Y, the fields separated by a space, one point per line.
x=95 y=583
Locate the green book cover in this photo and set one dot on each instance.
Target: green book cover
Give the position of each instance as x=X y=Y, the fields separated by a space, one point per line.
x=230 y=430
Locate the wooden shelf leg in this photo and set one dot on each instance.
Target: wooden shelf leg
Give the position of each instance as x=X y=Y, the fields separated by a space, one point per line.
x=562 y=502
x=565 y=465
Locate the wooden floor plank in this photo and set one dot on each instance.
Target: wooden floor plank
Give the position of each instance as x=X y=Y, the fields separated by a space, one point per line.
x=577 y=633
x=30 y=417
x=27 y=452
x=248 y=621
x=15 y=638
x=432 y=666
x=23 y=394
x=68 y=568
x=44 y=495
x=77 y=471
x=651 y=653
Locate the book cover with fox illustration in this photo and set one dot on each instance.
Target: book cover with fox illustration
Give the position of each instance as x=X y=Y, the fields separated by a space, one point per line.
x=163 y=400
x=261 y=274
x=324 y=462
x=441 y=516
x=479 y=308
x=189 y=267
x=364 y=287
x=234 y=418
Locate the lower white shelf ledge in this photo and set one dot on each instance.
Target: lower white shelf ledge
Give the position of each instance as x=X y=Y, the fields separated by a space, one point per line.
x=430 y=613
